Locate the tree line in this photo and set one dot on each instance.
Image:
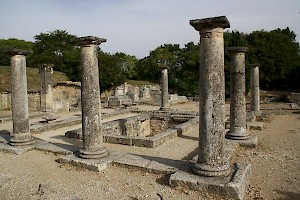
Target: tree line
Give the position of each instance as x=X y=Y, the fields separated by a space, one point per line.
x=276 y=51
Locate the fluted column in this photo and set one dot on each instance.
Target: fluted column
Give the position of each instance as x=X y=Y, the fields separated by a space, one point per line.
x=254 y=87
x=165 y=105
x=211 y=160
x=90 y=99
x=19 y=99
x=238 y=125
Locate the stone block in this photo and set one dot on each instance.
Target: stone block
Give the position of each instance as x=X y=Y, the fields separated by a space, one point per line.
x=90 y=164
x=255 y=125
x=251 y=142
x=231 y=187
x=48 y=147
x=132 y=161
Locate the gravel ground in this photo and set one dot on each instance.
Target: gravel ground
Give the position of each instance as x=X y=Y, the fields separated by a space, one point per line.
x=275 y=167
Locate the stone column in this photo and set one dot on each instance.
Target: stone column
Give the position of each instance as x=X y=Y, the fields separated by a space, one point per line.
x=47 y=102
x=238 y=129
x=254 y=87
x=164 y=90
x=125 y=90
x=19 y=99
x=211 y=160
x=90 y=99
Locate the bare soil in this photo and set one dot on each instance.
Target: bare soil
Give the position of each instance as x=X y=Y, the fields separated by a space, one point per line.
x=275 y=166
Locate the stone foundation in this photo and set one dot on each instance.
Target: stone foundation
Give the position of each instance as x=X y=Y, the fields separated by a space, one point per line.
x=143 y=130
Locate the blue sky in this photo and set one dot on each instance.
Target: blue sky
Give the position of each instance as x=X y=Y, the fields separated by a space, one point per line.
x=139 y=26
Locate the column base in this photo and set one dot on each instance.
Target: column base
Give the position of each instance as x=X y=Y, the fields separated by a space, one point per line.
x=164 y=108
x=21 y=139
x=211 y=171
x=240 y=134
x=99 y=153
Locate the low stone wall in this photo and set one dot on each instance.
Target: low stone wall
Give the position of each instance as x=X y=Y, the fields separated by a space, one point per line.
x=66 y=94
x=131 y=126
x=5 y=101
x=294 y=97
x=137 y=130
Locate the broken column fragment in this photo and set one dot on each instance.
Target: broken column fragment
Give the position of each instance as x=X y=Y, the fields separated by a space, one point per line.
x=254 y=87
x=47 y=101
x=211 y=160
x=90 y=98
x=238 y=124
x=21 y=131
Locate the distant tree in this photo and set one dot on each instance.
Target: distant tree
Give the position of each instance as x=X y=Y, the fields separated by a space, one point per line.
x=12 y=43
x=127 y=64
x=111 y=72
x=183 y=64
x=57 y=48
x=278 y=54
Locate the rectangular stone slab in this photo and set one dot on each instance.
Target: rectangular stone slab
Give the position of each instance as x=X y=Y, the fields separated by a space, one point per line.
x=233 y=187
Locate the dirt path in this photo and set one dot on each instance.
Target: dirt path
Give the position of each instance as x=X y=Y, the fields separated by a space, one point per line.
x=276 y=162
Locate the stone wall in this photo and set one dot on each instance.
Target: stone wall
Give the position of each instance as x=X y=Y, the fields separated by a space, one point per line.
x=5 y=101
x=131 y=126
x=66 y=95
x=34 y=101
x=294 y=97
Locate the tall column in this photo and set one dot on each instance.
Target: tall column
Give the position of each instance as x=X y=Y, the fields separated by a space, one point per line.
x=238 y=129
x=211 y=160
x=19 y=99
x=254 y=87
x=165 y=105
x=90 y=98
x=47 y=103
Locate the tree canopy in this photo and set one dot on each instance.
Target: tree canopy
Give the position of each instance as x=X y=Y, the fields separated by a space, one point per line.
x=9 y=44
x=277 y=52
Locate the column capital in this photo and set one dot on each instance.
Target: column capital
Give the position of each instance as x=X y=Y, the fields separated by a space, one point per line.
x=87 y=40
x=237 y=49
x=212 y=22
x=14 y=52
x=254 y=65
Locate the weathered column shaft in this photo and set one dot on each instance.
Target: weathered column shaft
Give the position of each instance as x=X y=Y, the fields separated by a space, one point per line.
x=164 y=90
x=90 y=99
x=254 y=86
x=19 y=99
x=47 y=101
x=211 y=161
x=238 y=129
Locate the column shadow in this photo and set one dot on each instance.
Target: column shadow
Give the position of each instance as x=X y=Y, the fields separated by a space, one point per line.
x=288 y=195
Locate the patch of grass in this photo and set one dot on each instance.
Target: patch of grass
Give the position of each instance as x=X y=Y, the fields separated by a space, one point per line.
x=33 y=78
x=140 y=83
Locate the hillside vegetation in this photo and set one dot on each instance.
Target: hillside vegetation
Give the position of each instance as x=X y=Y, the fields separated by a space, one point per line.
x=33 y=78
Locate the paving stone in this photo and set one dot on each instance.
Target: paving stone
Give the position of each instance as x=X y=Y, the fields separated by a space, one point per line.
x=90 y=164
x=233 y=186
x=251 y=142
x=255 y=125
x=48 y=147
x=132 y=161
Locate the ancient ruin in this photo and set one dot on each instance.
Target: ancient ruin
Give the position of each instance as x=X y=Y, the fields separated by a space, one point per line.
x=47 y=97
x=211 y=160
x=144 y=127
x=165 y=105
x=254 y=87
x=21 y=133
x=90 y=99
x=238 y=124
